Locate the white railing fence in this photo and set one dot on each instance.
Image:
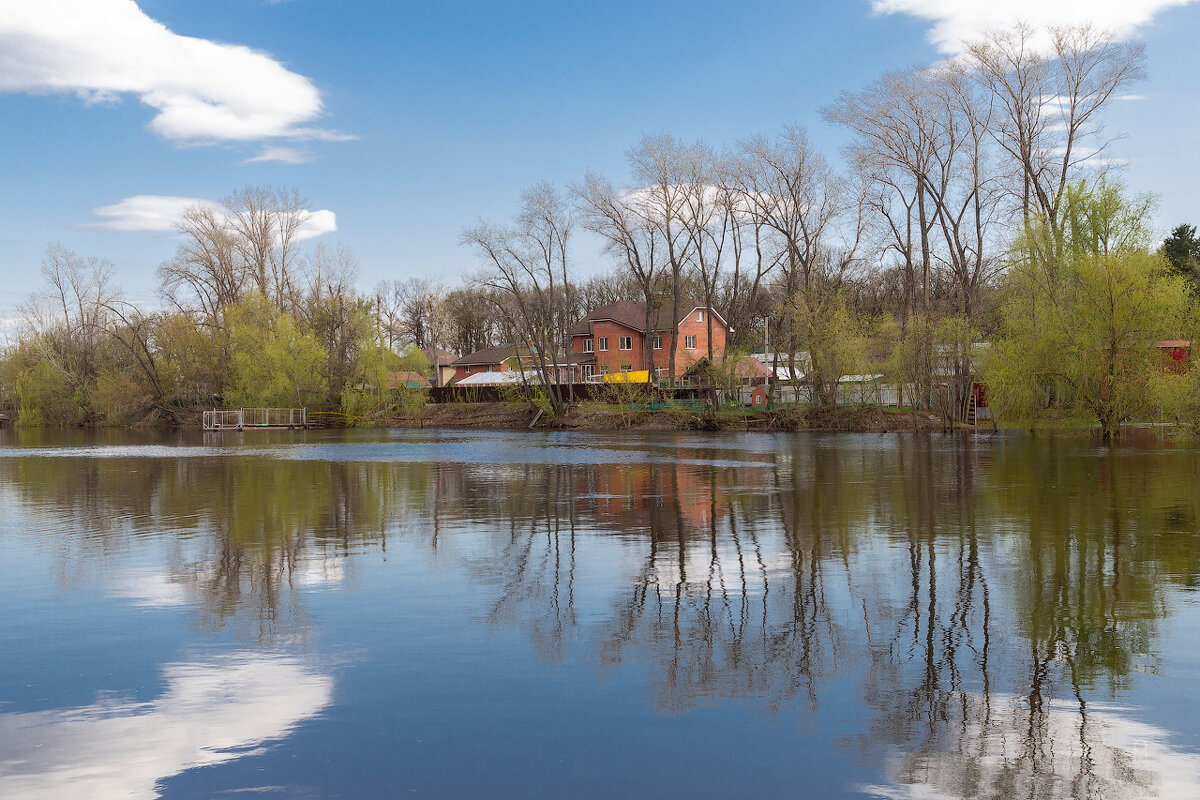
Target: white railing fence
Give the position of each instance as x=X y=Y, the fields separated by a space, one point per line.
x=255 y=418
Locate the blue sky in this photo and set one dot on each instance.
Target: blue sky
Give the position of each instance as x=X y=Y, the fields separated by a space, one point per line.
x=416 y=119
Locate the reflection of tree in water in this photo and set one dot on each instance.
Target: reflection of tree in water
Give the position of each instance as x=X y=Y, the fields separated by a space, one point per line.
x=244 y=535
x=986 y=596
x=1083 y=570
x=1008 y=588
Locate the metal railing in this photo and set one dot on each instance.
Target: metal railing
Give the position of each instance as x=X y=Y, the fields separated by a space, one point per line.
x=255 y=418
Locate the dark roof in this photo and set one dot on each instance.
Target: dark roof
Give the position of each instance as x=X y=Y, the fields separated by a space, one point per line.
x=436 y=355
x=488 y=355
x=633 y=315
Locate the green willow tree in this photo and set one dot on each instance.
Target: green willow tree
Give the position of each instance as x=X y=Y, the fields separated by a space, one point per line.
x=275 y=362
x=1084 y=306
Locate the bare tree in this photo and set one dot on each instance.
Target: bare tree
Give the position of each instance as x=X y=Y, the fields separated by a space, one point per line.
x=667 y=174
x=629 y=237
x=266 y=222
x=525 y=265
x=791 y=189
x=67 y=322
x=206 y=273
x=413 y=311
x=1050 y=104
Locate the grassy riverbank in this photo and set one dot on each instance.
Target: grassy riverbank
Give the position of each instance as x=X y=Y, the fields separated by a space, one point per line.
x=604 y=417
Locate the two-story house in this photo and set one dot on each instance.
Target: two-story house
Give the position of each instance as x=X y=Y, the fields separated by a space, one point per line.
x=615 y=338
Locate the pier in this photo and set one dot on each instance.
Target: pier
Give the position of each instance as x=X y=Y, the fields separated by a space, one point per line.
x=256 y=419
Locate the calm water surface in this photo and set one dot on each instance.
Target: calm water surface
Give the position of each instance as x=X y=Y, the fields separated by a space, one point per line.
x=524 y=615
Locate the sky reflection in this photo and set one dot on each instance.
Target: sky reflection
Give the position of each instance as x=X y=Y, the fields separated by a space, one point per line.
x=211 y=712
x=897 y=617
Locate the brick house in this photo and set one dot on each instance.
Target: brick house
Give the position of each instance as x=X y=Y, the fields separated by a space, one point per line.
x=613 y=338
x=489 y=359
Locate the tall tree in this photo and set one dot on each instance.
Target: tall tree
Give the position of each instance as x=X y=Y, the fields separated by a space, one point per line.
x=1182 y=251
x=525 y=265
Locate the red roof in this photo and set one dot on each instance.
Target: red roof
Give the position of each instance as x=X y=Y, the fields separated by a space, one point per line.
x=633 y=315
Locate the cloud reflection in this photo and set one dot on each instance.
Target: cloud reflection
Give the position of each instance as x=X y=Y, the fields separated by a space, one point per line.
x=211 y=712
x=1006 y=750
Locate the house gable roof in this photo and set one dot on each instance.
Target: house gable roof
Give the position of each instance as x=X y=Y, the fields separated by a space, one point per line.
x=632 y=315
x=488 y=355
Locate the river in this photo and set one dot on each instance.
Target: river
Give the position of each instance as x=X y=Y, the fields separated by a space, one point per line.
x=537 y=614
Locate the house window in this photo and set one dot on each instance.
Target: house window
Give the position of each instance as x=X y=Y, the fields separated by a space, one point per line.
x=604 y=369
x=627 y=368
x=658 y=342
x=588 y=370
x=689 y=342
x=699 y=316
x=589 y=346
x=603 y=344
x=625 y=342
x=468 y=369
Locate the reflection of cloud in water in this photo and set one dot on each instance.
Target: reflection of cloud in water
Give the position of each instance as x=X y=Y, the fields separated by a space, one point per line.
x=153 y=589
x=148 y=588
x=1061 y=753
x=210 y=713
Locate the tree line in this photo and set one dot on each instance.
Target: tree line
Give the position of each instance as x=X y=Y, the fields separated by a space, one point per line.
x=974 y=202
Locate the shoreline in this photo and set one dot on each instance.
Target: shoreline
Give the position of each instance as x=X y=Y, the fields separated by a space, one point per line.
x=597 y=417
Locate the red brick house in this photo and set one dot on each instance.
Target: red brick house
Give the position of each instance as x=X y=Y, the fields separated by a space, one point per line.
x=613 y=338
x=490 y=359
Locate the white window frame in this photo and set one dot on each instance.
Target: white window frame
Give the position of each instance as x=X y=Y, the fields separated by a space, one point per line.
x=467 y=367
x=589 y=345
x=689 y=342
x=627 y=368
x=603 y=344
x=658 y=341
x=604 y=369
x=624 y=342
x=586 y=371
x=699 y=316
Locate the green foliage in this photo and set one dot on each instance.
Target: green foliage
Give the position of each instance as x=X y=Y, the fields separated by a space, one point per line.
x=117 y=397
x=45 y=398
x=1182 y=251
x=274 y=362
x=192 y=359
x=834 y=337
x=1081 y=319
x=411 y=359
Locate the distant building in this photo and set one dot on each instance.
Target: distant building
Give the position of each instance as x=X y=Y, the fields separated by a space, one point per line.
x=490 y=359
x=614 y=338
x=440 y=364
x=1179 y=351
x=407 y=379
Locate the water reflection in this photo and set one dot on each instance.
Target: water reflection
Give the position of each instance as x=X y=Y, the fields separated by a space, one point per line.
x=988 y=604
x=211 y=712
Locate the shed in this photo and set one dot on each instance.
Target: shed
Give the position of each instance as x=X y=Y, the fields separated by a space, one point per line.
x=1178 y=350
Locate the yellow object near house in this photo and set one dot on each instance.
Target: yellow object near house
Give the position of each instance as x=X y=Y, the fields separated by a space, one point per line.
x=640 y=376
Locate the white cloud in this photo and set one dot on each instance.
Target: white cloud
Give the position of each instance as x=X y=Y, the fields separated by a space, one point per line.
x=159 y=213
x=956 y=21
x=203 y=91
x=317 y=223
x=147 y=212
x=210 y=713
x=280 y=154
